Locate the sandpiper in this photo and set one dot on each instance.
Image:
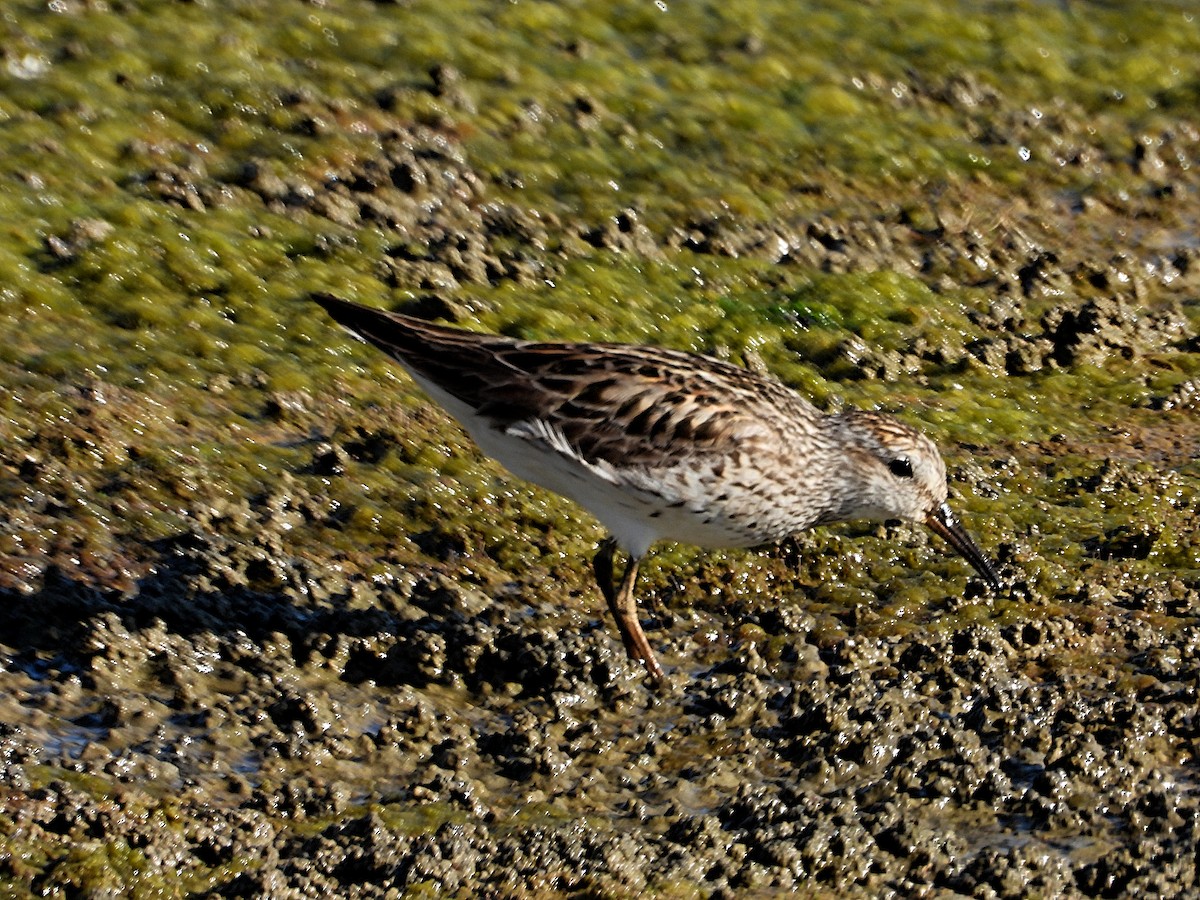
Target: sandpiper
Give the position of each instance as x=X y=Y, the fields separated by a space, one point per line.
x=661 y=444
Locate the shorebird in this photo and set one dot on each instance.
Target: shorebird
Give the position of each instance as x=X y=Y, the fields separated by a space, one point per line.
x=660 y=444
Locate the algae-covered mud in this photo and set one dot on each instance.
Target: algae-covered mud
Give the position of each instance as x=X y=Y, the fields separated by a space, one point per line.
x=269 y=624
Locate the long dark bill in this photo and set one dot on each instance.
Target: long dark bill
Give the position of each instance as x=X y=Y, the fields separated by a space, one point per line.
x=942 y=522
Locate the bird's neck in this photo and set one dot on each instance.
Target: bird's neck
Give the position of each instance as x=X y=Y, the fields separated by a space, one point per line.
x=849 y=496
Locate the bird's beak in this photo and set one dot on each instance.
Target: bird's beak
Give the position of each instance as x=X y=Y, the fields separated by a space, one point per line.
x=942 y=522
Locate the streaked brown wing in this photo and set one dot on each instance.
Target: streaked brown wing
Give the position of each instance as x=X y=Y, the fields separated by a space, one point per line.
x=463 y=363
x=617 y=403
x=634 y=405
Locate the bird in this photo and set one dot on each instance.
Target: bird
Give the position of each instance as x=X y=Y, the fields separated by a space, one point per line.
x=660 y=444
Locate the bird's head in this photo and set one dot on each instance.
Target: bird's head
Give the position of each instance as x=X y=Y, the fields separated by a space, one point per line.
x=895 y=472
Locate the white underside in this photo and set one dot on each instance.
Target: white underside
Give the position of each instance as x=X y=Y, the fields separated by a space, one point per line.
x=636 y=506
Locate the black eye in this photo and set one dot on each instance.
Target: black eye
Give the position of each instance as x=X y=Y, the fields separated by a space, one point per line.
x=901 y=467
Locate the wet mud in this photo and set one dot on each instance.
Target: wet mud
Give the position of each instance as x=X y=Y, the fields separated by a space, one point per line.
x=270 y=626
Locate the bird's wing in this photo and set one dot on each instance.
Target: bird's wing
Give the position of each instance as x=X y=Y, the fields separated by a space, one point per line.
x=607 y=403
x=632 y=406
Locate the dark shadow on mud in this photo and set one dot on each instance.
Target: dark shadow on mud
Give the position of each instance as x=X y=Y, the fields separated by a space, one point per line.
x=434 y=633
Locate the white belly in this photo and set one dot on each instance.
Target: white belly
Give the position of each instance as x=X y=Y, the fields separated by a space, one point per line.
x=637 y=507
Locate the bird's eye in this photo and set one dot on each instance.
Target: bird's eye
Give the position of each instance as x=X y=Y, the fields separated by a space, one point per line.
x=901 y=467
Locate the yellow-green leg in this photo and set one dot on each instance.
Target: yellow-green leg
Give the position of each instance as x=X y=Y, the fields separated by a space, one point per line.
x=624 y=608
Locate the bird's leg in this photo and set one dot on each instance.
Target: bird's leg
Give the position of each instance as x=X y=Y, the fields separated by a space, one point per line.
x=625 y=612
x=602 y=565
x=624 y=609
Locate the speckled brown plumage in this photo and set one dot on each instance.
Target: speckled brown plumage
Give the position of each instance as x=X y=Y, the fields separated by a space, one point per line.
x=662 y=444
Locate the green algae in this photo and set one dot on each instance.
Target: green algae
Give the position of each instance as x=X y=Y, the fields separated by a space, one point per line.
x=98 y=788
x=425 y=818
x=193 y=305
x=230 y=304
x=108 y=864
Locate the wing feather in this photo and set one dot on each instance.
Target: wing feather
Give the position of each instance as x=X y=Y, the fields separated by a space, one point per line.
x=604 y=404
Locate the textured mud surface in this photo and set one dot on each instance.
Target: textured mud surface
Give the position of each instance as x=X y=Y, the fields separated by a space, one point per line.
x=269 y=626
